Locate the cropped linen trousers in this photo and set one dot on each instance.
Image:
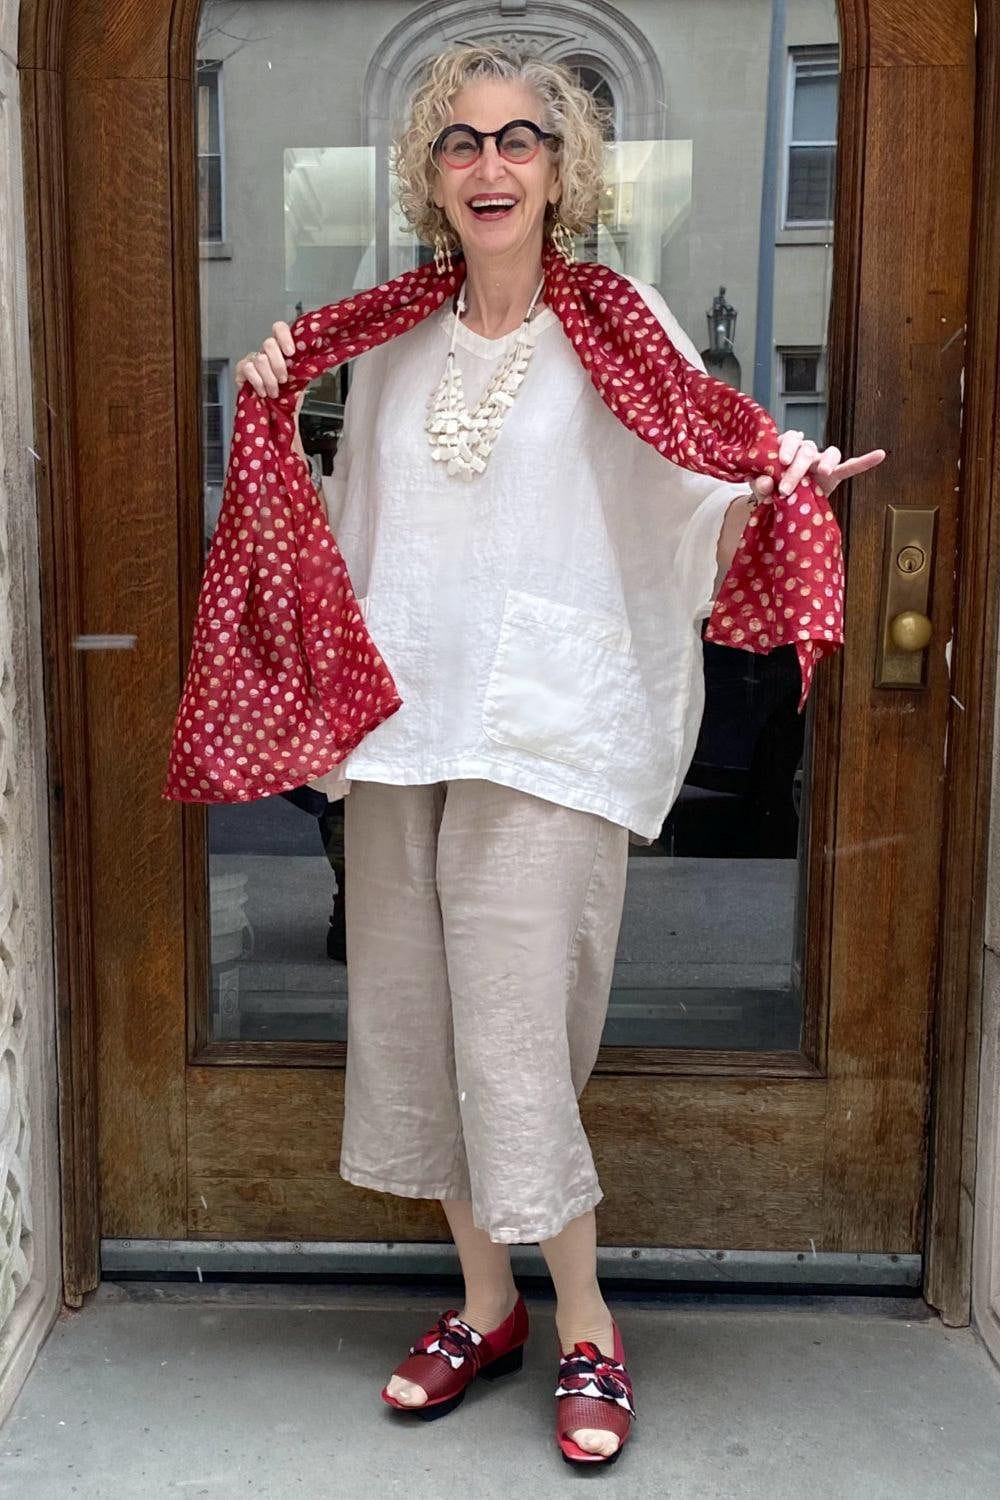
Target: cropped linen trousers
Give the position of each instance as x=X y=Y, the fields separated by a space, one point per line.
x=482 y=924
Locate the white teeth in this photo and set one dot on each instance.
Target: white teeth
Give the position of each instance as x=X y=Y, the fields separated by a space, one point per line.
x=492 y=202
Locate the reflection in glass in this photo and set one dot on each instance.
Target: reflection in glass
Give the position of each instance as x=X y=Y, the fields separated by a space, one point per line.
x=329 y=222
x=209 y=153
x=812 y=144
x=721 y=153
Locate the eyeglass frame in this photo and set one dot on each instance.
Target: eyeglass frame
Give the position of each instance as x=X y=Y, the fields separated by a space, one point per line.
x=482 y=136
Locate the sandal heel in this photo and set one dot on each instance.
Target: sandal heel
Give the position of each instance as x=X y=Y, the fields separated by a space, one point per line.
x=507 y=1364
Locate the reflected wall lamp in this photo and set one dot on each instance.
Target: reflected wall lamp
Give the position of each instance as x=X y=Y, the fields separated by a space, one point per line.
x=719 y=357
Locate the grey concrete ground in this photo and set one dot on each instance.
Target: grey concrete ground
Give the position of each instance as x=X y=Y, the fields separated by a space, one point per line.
x=228 y=1391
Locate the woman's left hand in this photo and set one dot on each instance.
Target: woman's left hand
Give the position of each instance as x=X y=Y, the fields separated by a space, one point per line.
x=799 y=456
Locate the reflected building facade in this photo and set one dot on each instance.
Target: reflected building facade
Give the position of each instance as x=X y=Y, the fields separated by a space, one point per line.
x=720 y=174
x=721 y=131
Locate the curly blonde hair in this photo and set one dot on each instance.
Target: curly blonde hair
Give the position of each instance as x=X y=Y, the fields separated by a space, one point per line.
x=568 y=110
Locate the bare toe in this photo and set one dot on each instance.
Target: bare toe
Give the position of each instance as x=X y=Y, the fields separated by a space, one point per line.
x=593 y=1440
x=406 y=1392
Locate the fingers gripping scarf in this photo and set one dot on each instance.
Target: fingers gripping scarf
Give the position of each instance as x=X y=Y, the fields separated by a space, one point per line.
x=284 y=679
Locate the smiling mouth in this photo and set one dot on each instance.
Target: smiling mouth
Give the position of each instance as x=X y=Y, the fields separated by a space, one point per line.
x=492 y=206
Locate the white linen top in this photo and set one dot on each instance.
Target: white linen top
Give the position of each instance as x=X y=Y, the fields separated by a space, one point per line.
x=542 y=620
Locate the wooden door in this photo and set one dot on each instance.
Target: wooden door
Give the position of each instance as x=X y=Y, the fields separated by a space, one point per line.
x=791 y=1119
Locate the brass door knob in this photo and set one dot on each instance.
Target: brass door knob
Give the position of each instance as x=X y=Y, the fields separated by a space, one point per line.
x=910 y=631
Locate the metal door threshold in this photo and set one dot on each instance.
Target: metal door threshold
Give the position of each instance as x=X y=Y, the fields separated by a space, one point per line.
x=730 y=1268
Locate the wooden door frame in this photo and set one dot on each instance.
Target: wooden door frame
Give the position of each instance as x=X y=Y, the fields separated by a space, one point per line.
x=61 y=54
x=958 y=1009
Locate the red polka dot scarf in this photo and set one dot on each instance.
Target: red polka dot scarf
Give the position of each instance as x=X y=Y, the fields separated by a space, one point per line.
x=284 y=679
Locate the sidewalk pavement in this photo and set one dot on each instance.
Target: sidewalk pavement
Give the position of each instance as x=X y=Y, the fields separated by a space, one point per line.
x=231 y=1390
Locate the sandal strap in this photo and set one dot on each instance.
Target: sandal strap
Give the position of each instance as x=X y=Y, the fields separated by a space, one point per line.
x=452 y=1339
x=588 y=1372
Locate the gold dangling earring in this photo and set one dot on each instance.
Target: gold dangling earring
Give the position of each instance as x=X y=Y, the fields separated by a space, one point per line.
x=562 y=239
x=442 y=254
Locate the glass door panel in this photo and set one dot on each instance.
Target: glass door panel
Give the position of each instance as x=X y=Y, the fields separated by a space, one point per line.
x=721 y=164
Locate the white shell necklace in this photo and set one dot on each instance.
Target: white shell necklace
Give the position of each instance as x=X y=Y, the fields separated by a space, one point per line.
x=464 y=439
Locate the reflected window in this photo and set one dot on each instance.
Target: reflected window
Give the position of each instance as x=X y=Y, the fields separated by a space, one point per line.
x=214 y=375
x=596 y=82
x=645 y=204
x=330 y=222
x=209 y=152
x=812 y=137
x=802 y=392
x=331 y=251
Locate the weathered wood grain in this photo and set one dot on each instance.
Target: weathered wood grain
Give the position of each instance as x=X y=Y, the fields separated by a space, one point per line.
x=684 y=1164
x=698 y=1152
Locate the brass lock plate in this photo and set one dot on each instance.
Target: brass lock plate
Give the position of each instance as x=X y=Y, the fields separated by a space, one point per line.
x=907 y=569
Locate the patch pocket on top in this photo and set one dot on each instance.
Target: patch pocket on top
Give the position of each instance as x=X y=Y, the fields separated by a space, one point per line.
x=557 y=686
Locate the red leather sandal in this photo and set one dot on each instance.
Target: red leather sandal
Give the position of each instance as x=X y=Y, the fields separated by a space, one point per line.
x=445 y=1361
x=594 y=1391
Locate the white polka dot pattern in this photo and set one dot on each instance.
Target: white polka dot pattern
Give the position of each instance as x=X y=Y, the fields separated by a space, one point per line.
x=284 y=679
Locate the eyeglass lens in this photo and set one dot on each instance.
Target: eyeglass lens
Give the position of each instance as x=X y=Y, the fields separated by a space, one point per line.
x=515 y=143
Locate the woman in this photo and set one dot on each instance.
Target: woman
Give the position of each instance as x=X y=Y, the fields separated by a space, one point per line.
x=534 y=576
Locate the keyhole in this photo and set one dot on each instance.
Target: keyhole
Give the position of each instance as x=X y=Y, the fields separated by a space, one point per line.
x=910 y=560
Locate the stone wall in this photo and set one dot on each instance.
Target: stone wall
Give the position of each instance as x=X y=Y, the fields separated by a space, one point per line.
x=30 y=1277
x=986 y=1252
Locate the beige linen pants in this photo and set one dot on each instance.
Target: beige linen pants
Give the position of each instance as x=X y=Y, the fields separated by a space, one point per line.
x=482 y=924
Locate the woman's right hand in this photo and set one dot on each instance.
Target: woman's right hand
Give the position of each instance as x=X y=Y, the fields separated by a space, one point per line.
x=266 y=369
